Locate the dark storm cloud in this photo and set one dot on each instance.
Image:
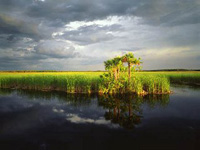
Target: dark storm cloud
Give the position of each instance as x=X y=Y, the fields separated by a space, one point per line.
x=14 y=41
x=168 y=12
x=183 y=36
x=14 y=63
x=26 y=28
x=13 y=60
x=78 y=10
x=7 y=40
x=90 y=34
x=60 y=12
x=56 y=49
x=190 y=15
x=22 y=26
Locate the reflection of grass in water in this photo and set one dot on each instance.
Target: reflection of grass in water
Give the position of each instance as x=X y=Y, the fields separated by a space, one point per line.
x=5 y=92
x=189 y=87
x=70 y=98
x=156 y=100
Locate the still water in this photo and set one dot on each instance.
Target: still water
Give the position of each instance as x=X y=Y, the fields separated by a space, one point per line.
x=56 y=120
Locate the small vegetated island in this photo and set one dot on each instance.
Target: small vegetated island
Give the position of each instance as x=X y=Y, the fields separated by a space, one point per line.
x=122 y=79
x=122 y=76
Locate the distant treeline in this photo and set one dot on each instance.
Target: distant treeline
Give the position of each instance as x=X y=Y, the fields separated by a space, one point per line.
x=97 y=70
x=171 y=70
x=47 y=71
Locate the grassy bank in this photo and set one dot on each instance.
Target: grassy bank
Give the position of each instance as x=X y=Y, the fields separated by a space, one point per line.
x=91 y=82
x=179 y=77
x=185 y=78
x=70 y=82
x=84 y=82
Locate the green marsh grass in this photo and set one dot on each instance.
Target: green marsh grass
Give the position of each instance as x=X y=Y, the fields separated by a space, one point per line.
x=84 y=82
x=91 y=82
x=178 y=77
x=69 y=82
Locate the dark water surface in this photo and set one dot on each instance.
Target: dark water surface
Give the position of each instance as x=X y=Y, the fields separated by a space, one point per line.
x=59 y=121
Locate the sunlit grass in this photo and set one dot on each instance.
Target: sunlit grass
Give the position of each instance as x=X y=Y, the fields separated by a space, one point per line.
x=179 y=77
x=90 y=82
x=69 y=82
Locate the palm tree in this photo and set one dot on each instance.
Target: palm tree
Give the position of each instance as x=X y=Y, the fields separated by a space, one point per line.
x=138 y=62
x=109 y=66
x=131 y=60
x=117 y=62
x=113 y=65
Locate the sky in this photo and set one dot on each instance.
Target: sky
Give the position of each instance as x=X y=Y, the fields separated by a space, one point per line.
x=82 y=34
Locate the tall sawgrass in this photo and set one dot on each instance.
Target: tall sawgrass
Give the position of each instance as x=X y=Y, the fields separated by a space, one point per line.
x=178 y=77
x=151 y=84
x=72 y=83
x=86 y=82
x=189 y=78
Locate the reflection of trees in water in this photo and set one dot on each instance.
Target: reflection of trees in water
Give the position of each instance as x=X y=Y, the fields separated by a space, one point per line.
x=126 y=110
x=122 y=109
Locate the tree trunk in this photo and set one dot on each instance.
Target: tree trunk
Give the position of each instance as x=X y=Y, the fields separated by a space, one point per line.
x=115 y=112
x=115 y=74
x=129 y=71
x=130 y=111
x=118 y=113
x=118 y=73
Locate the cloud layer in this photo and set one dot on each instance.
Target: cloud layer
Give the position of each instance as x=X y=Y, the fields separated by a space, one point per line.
x=81 y=34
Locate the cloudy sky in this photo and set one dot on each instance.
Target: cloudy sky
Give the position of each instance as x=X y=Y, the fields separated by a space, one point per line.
x=81 y=34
